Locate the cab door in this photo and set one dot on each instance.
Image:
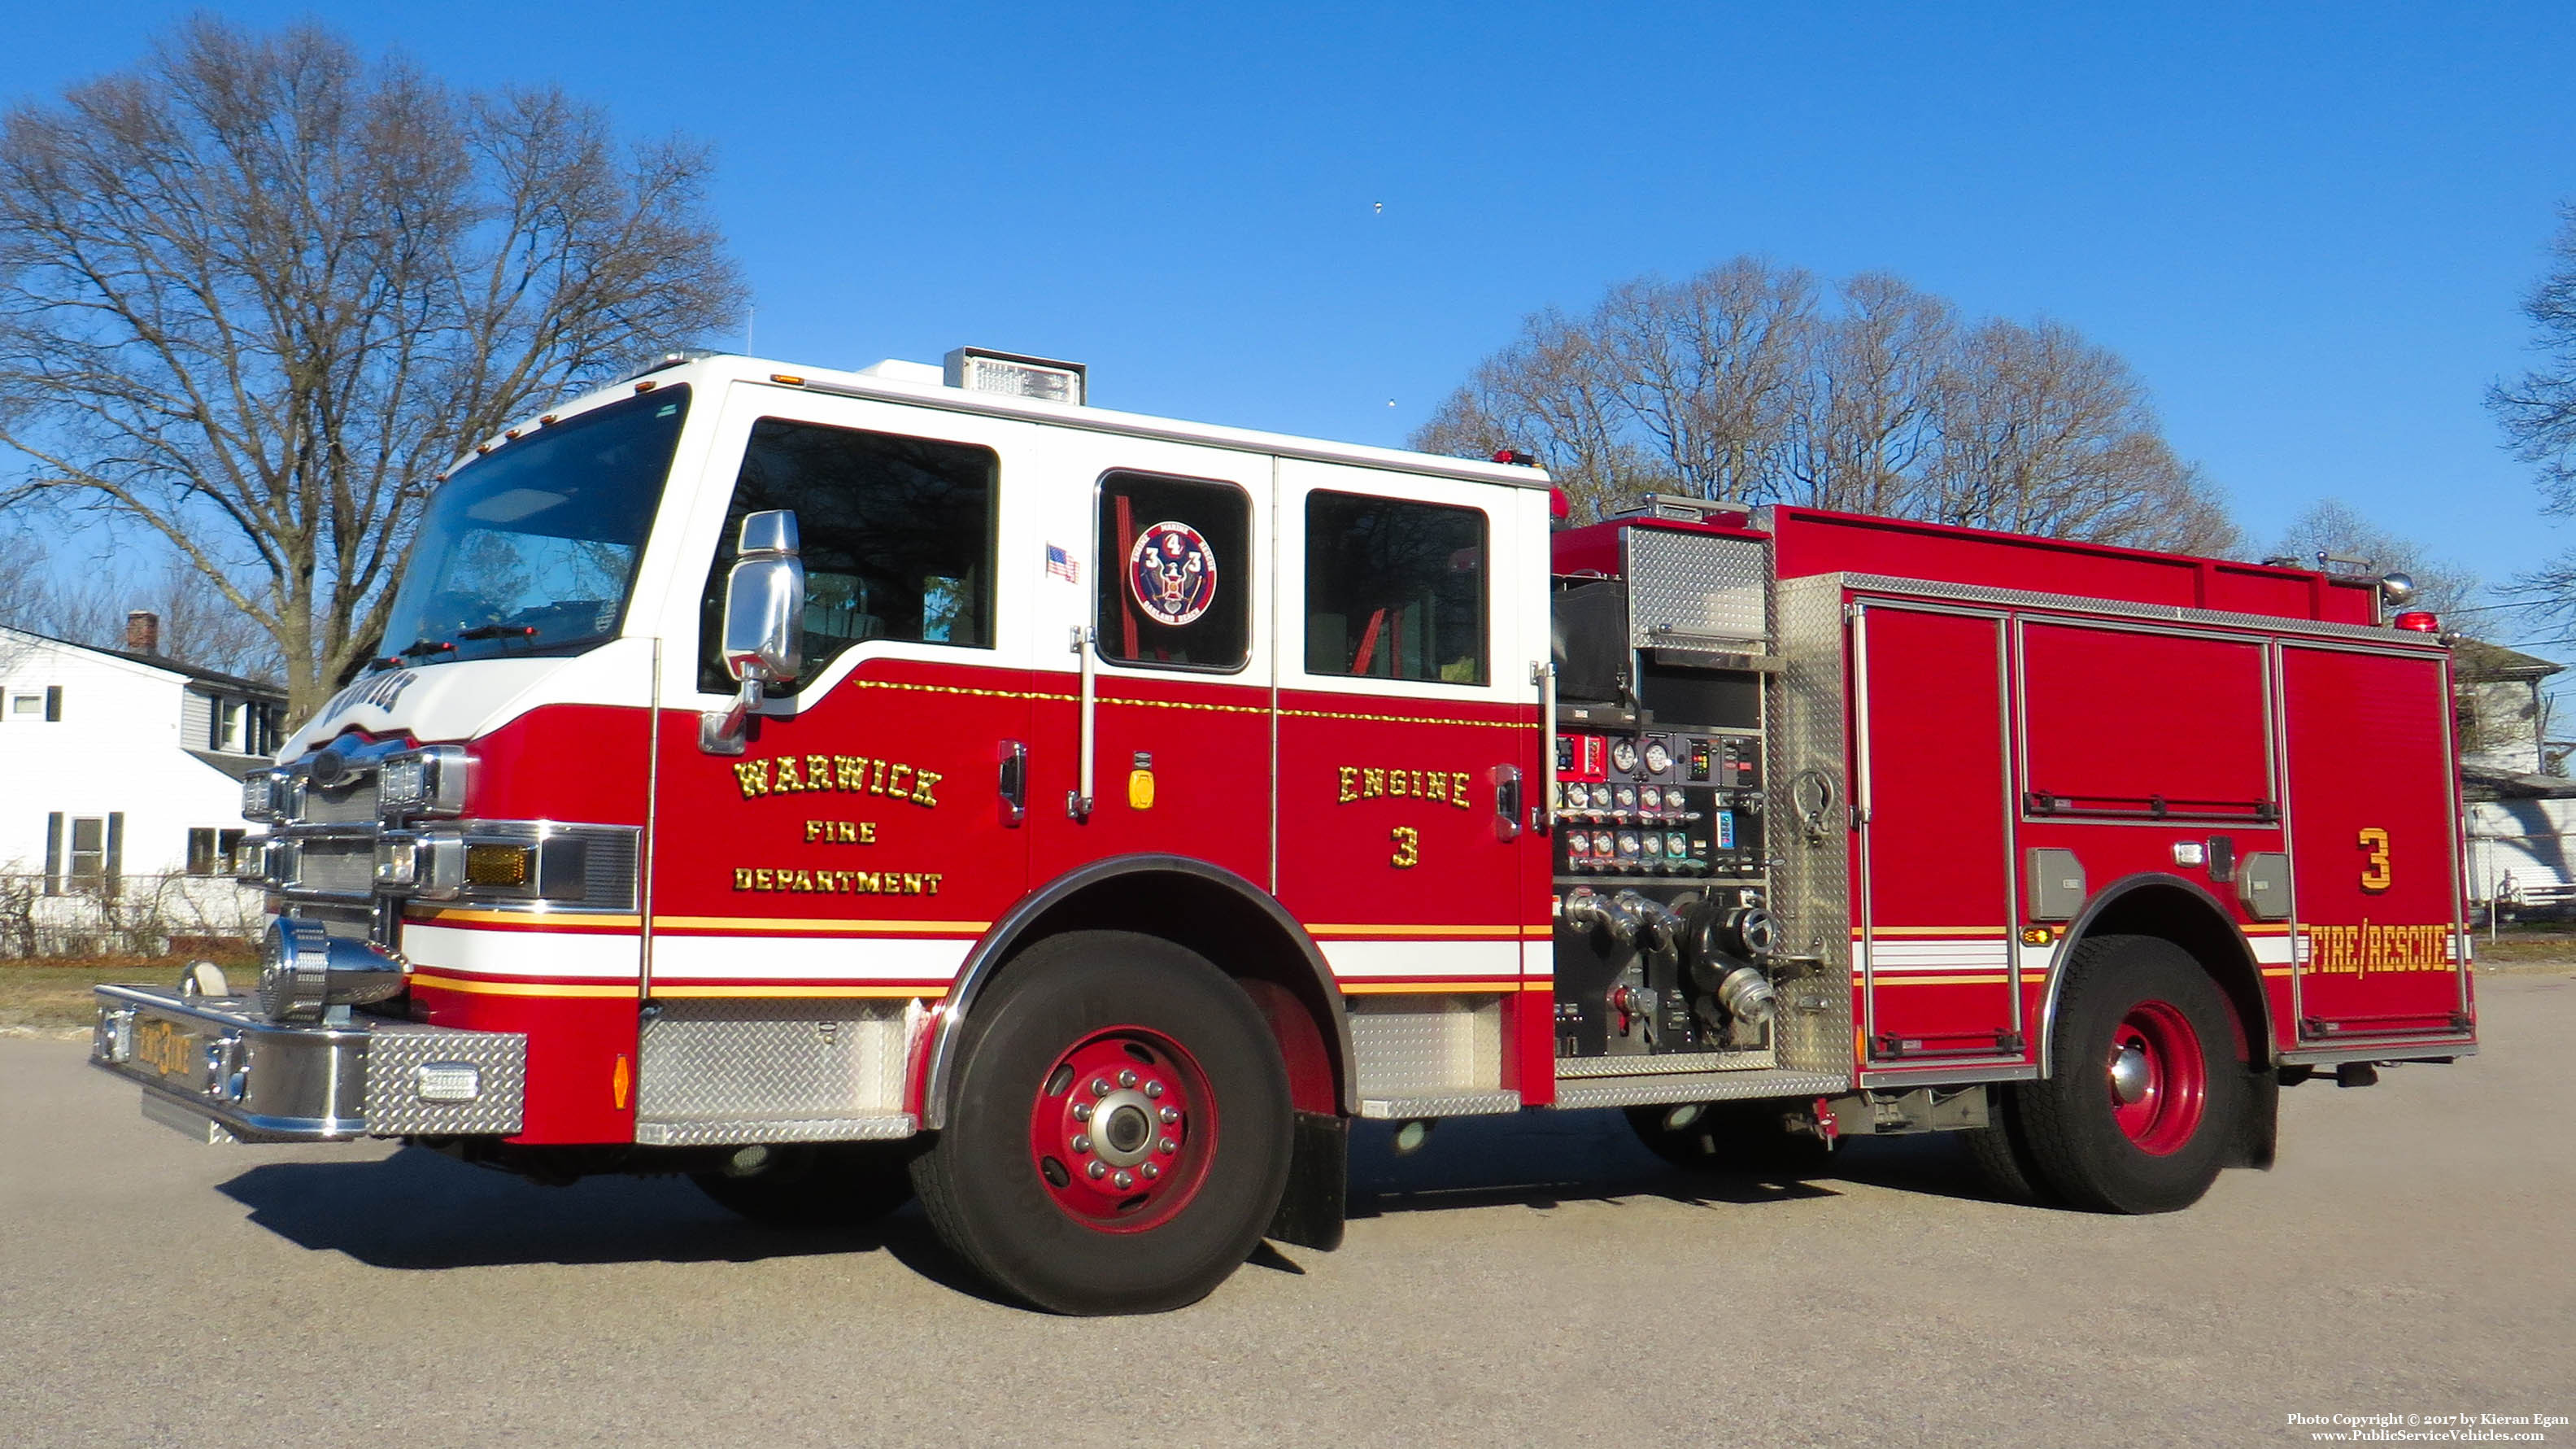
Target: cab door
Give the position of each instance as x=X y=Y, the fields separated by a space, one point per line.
x=1408 y=729
x=859 y=842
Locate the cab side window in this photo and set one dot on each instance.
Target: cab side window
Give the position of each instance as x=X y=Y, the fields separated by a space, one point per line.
x=1175 y=573
x=1394 y=589
x=896 y=535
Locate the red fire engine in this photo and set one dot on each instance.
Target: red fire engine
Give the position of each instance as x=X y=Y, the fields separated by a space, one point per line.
x=846 y=785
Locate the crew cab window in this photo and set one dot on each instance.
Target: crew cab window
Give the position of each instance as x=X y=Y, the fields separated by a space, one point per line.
x=1394 y=589
x=1175 y=575
x=896 y=535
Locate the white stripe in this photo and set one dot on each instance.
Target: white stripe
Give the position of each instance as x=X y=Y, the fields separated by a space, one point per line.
x=1938 y=955
x=2272 y=950
x=604 y=957
x=1364 y=960
x=805 y=958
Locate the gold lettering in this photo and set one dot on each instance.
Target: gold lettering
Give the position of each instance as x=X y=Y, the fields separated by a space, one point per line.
x=814 y=828
x=1458 y=788
x=787 y=776
x=877 y=778
x=760 y=880
x=1372 y=783
x=1437 y=786
x=818 y=770
x=742 y=878
x=1350 y=782
x=754 y=775
x=922 y=780
x=849 y=772
x=896 y=778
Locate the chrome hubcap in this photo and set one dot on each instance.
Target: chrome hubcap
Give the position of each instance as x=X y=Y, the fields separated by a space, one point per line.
x=2129 y=1074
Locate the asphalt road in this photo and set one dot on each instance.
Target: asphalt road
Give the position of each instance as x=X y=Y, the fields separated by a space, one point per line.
x=1517 y=1281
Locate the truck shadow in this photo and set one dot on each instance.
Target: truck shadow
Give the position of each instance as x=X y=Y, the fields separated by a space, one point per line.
x=1543 y=1159
x=416 y=1210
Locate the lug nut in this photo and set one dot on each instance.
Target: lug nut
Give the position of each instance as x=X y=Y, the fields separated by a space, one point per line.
x=1097 y=1169
x=1171 y=1115
x=1082 y=1111
x=1127 y=1078
x=1124 y=1180
x=1153 y=1089
x=1151 y=1171
x=1168 y=1145
x=1082 y=1143
x=1100 y=1086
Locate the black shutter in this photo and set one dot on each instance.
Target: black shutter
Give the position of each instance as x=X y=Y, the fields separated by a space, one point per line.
x=53 y=704
x=115 y=865
x=54 y=854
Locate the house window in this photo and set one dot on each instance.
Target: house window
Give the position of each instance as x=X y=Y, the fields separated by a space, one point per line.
x=229 y=713
x=210 y=851
x=26 y=706
x=93 y=844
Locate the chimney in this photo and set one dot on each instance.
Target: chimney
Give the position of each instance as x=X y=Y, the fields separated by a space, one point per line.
x=142 y=632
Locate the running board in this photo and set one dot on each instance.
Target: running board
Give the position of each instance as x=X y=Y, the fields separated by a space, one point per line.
x=1453 y=1104
x=1639 y=1091
x=745 y=1131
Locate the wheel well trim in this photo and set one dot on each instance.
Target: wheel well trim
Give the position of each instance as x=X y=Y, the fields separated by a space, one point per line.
x=2258 y=1034
x=939 y=1054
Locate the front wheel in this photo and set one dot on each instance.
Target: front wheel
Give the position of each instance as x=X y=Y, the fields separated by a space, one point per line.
x=2146 y=1092
x=1119 y=1135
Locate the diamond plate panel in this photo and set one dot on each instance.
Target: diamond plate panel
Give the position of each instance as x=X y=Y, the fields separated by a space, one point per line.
x=1636 y=1066
x=394 y=1106
x=711 y=1132
x=1427 y=1046
x=1810 y=871
x=776 y=1061
x=1461 y=1104
x=1693 y=590
x=1708 y=1087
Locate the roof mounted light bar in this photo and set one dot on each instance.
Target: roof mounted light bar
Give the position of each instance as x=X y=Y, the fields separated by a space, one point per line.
x=976 y=369
x=1683 y=508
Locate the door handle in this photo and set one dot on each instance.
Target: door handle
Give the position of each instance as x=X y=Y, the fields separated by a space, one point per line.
x=1014 y=782
x=1507 y=802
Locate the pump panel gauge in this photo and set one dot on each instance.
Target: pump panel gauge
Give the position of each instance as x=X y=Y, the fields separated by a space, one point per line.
x=1623 y=756
x=1659 y=758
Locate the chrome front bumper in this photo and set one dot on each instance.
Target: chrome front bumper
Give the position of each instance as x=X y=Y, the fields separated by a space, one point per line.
x=212 y=1066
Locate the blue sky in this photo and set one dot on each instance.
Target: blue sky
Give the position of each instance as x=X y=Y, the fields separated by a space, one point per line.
x=2308 y=227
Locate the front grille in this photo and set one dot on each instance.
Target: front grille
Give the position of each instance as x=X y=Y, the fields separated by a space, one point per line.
x=350 y=803
x=336 y=865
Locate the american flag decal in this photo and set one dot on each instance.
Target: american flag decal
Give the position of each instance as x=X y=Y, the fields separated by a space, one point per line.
x=1060 y=563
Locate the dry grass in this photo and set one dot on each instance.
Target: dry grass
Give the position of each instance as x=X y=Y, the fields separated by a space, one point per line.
x=2528 y=948
x=48 y=996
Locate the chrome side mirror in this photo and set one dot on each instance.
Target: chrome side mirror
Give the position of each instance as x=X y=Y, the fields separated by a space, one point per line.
x=764 y=624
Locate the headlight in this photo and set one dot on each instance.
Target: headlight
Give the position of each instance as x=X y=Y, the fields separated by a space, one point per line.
x=428 y=866
x=259 y=795
x=422 y=782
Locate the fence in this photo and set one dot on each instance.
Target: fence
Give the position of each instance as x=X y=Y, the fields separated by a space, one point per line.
x=142 y=915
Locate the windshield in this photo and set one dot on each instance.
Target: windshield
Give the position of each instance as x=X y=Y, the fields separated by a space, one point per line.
x=533 y=547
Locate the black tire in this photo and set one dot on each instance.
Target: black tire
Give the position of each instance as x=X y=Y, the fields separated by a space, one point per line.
x=986 y=1188
x=2077 y=1146
x=1748 y=1137
x=835 y=1185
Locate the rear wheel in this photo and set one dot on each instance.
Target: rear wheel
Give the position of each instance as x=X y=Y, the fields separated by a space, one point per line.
x=2146 y=1093
x=1729 y=1137
x=1119 y=1134
x=838 y=1184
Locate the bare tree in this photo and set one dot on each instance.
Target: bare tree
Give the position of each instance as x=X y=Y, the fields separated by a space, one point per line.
x=1743 y=383
x=2538 y=410
x=255 y=294
x=2332 y=533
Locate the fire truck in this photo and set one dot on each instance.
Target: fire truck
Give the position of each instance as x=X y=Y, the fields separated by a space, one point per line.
x=847 y=786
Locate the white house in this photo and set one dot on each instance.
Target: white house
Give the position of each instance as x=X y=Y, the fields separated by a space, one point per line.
x=2522 y=812
x=120 y=791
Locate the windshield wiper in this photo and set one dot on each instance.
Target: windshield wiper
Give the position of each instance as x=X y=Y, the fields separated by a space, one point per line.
x=500 y=631
x=425 y=646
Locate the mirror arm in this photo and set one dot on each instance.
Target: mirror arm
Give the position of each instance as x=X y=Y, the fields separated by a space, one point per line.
x=727 y=732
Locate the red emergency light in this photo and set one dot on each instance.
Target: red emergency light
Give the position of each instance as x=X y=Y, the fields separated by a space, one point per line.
x=2422 y=621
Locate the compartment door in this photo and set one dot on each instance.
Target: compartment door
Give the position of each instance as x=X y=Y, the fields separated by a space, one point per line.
x=2374 y=847
x=1934 y=955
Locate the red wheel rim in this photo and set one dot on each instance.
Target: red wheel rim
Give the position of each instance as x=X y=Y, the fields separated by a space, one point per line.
x=1121 y=1130
x=2158 y=1079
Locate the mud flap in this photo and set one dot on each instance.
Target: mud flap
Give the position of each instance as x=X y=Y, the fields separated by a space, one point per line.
x=1319 y=1159
x=2260 y=1131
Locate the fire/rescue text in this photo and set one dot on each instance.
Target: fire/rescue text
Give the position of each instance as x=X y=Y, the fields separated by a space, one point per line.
x=2369 y=949
x=1366 y=782
x=838 y=882
x=857 y=774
